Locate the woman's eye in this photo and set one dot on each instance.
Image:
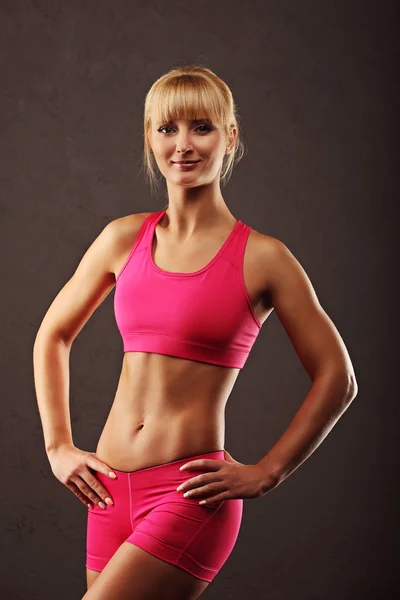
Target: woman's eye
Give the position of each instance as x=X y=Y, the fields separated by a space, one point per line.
x=208 y=128
x=164 y=127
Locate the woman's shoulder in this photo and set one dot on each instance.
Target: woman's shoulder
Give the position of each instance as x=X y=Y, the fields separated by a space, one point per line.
x=123 y=232
x=127 y=226
x=129 y=221
x=265 y=245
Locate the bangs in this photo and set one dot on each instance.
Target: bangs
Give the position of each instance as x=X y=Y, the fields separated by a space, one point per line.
x=189 y=98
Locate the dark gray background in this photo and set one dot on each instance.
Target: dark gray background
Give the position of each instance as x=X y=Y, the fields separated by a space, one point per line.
x=316 y=88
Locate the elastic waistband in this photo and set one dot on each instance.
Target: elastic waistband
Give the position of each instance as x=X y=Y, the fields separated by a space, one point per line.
x=174 y=463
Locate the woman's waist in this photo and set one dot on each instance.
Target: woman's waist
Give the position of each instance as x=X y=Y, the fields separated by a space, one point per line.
x=132 y=443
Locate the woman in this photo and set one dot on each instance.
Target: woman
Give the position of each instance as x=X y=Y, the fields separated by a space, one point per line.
x=193 y=287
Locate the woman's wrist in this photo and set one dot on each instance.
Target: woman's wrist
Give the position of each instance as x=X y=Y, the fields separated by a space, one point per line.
x=268 y=478
x=54 y=447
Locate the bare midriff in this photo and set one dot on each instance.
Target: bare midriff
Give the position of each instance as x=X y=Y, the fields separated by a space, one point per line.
x=165 y=408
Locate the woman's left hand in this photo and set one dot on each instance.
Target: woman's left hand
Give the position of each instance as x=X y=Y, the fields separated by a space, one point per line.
x=225 y=479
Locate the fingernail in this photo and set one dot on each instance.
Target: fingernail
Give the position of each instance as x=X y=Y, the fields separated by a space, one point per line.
x=102 y=505
x=112 y=475
x=109 y=501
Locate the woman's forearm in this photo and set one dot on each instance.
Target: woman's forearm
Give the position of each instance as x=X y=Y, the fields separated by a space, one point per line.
x=51 y=375
x=329 y=396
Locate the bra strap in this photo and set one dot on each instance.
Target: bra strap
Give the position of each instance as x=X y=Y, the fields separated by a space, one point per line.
x=145 y=232
x=234 y=252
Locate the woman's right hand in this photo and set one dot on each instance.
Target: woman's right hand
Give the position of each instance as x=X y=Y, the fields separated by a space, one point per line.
x=72 y=467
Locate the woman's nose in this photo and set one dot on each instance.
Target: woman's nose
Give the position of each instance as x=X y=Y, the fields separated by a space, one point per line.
x=183 y=142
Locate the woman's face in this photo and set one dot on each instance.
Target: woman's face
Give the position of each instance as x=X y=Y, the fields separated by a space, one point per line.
x=201 y=141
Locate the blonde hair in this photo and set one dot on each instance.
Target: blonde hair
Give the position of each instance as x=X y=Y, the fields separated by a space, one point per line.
x=191 y=92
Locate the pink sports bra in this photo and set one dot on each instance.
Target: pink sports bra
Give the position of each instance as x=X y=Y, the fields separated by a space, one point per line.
x=205 y=316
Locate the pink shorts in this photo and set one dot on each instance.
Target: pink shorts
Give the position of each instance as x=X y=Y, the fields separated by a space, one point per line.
x=149 y=513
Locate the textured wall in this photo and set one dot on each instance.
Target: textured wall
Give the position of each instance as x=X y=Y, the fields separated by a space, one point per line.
x=315 y=87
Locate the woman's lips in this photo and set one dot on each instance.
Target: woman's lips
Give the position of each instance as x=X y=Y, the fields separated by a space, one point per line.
x=186 y=165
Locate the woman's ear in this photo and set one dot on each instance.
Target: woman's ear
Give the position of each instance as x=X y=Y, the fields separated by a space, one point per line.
x=232 y=138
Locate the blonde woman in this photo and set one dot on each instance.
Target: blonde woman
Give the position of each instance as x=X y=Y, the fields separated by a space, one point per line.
x=193 y=286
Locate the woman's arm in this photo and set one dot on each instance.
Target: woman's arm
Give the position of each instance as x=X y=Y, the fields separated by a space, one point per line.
x=322 y=353
x=72 y=307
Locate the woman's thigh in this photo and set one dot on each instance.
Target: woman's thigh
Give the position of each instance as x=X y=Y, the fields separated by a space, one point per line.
x=91 y=577
x=134 y=574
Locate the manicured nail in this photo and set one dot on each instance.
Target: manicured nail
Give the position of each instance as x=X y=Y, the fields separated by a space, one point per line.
x=112 y=475
x=102 y=505
x=109 y=501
